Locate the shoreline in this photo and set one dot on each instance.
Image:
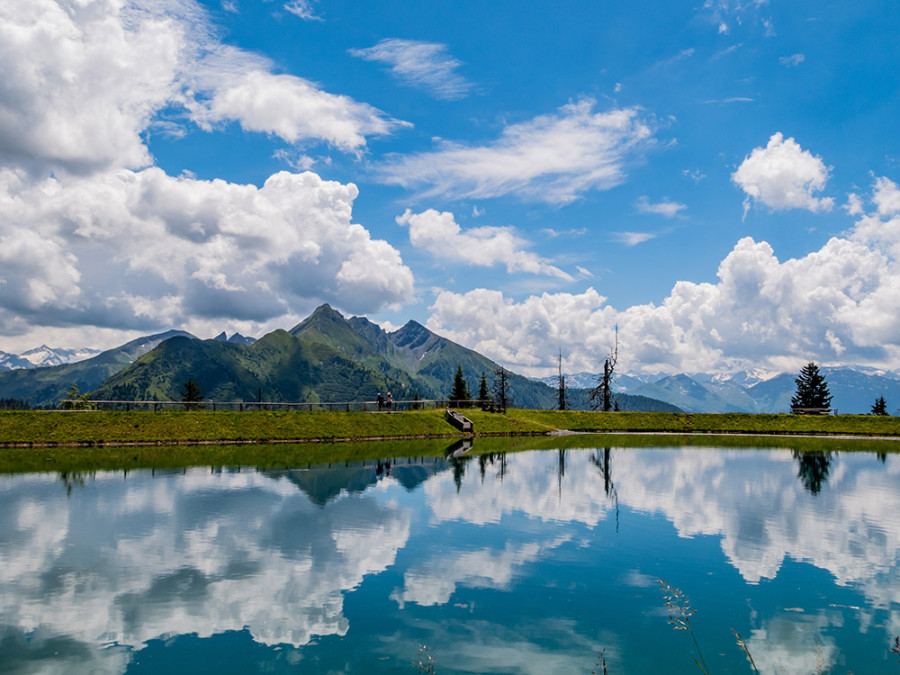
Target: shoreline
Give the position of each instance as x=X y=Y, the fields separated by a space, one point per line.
x=104 y=429
x=557 y=433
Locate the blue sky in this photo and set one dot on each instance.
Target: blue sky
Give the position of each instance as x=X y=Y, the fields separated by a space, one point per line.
x=718 y=180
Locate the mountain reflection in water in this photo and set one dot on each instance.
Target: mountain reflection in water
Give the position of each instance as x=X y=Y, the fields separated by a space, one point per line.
x=499 y=562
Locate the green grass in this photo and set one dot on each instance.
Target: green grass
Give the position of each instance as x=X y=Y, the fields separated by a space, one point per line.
x=93 y=427
x=165 y=427
x=173 y=440
x=722 y=423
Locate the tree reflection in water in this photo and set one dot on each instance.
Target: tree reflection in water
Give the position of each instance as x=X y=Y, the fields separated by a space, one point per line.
x=813 y=468
x=491 y=458
x=603 y=462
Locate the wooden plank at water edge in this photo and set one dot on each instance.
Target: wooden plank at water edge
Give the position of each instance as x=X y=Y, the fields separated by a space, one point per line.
x=459 y=420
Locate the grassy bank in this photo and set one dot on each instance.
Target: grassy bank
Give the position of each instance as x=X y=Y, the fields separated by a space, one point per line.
x=78 y=460
x=118 y=427
x=183 y=427
x=719 y=423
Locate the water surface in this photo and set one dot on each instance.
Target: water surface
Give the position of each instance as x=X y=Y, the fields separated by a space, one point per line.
x=526 y=562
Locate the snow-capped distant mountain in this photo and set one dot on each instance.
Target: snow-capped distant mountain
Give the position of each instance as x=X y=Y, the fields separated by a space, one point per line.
x=854 y=389
x=628 y=383
x=573 y=381
x=43 y=356
x=623 y=383
x=13 y=362
x=743 y=378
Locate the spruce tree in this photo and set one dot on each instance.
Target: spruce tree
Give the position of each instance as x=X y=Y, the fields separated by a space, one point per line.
x=812 y=389
x=459 y=394
x=880 y=407
x=75 y=400
x=190 y=394
x=561 y=391
x=483 y=394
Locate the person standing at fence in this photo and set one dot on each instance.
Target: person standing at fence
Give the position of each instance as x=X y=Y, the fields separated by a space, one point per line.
x=390 y=402
x=380 y=400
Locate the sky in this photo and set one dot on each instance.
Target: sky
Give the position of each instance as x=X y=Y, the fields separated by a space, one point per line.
x=715 y=182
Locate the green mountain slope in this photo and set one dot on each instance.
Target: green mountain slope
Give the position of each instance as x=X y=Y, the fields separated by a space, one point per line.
x=278 y=367
x=362 y=341
x=324 y=358
x=580 y=399
x=415 y=356
x=48 y=386
x=327 y=358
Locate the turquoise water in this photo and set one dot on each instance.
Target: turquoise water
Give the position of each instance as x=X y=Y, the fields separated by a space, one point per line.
x=530 y=562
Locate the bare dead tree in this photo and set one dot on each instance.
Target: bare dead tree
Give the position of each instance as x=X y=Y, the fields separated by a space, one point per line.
x=601 y=395
x=502 y=398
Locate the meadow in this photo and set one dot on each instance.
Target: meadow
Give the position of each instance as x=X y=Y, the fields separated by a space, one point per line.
x=173 y=427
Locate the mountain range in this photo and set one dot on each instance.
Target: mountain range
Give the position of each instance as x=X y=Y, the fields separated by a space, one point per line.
x=44 y=356
x=326 y=357
x=46 y=386
x=853 y=390
x=329 y=358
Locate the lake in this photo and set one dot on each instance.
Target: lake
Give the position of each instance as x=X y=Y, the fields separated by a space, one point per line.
x=507 y=562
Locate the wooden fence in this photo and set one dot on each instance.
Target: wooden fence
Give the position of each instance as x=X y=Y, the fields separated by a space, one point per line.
x=246 y=406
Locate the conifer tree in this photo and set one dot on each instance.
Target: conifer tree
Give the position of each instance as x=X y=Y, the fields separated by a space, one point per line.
x=880 y=407
x=75 y=400
x=812 y=389
x=190 y=393
x=561 y=390
x=459 y=394
x=483 y=394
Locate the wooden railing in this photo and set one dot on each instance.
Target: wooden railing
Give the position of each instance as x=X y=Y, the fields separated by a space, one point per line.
x=76 y=405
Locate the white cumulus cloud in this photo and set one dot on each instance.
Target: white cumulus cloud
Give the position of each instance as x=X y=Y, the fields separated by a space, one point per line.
x=241 y=88
x=144 y=249
x=424 y=65
x=527 y=333
x=81 y=83
x=92 y=234
x=840 y=304
x=886 y=197
x=439 y=234
x=783 y=176
x=552 y=158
